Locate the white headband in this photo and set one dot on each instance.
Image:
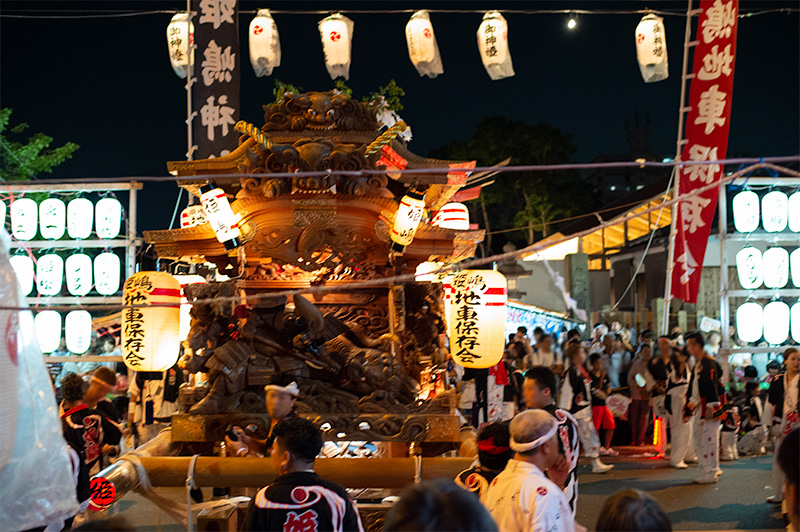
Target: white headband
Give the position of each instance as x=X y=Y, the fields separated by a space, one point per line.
x=291 y=389
x=529 y=446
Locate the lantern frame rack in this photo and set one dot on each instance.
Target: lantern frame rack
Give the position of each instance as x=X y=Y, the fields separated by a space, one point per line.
x=756 y=237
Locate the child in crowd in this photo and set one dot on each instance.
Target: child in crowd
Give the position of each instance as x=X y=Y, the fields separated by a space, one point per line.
x=755 y=436
x=730 y=428
x=601 y=415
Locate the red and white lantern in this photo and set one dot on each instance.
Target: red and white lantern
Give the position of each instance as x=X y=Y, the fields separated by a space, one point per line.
x=452 y=216
x=406 y=220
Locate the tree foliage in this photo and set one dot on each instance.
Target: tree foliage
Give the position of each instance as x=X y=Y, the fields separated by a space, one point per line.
x=21 y=161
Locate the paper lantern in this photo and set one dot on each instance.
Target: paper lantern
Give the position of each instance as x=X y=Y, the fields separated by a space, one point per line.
x=776 y=267
x=452 y=216
x=108 y=218
x=265 y=44
x=749 y=322
x=794 y=266
x=749 y=267
x=49 y=274
x=78 y=272
x=493 y=46
x=47 y=325
x=106 y=273
x=794 y=212
x=336 y=32
x=746 y=211
x=775 y=211
x=424 y=271
x=795 y=322
x=24 y=218
x=219 y=213
x=192 y=215
x=150 y=334
x=776 y=322
x=186 y=308
x=80 y=214
x=406 y=220
x=180 y=41
x=422 y=47
x=651 y=49
x=477 y=317
x=23 y=269
x=78 y=331
x=52 y=218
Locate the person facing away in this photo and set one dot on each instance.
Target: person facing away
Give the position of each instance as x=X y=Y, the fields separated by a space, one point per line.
x=493 y=455
x=639 y=409
x=299 y=499
x=632 y=511
x=788 y=460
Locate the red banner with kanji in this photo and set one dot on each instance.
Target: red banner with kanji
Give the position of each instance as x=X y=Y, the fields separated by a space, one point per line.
x=707 y=125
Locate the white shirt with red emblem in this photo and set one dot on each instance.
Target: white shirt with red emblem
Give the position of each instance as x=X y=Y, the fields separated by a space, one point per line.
x=523 y=499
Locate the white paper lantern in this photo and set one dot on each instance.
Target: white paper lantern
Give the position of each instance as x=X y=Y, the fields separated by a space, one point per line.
x=336 y=32
x=746 y=211
x=776 y=322
x=52 y=218
x=219 y=213
x=192 y=215
x=406 y=220
x=423 y=50
x=23 y=269
x=24 y=218
x=794 y=266
x=106 y=273
x=749 y=268
x=78 y=331
x=476 y=326
x=776 y=268
x=795 y=322
x=265 y=44
x=186 y=308
x=452 y=216
x=493 y=46
x=775 y=211
x=78 y=272
x=108 y=218
x=80 y=215
x=150 y=334
x=794 y=212
x=49 y=274
x=47 y=325
x=750 y=322
x=651 y=49
x=180 y=44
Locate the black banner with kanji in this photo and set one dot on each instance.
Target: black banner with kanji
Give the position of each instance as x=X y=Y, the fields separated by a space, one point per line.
x=215 y=93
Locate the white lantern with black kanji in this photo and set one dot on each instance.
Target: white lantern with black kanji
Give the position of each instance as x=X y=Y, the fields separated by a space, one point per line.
x=749 y=267
x=78 y=331
x=24 y=219
x=746 y=211
x=651 y=48
x=794 y=267
x=80 y=215
x=150 y=335
x=52 y=218
x=47 y=325
x=406 y=220
x=180 y=44
x=794 y=212
x=423 y=49
x=336 y=32
x=265 y=44
x=750 y=322
x=220 y=215
x=78 y=273
x=192 y=215
x=776 y=322
x=775 y=211
x=23 y=269
x=108 y=218
x=452 y=216
x=477 y=317
x=49 y=274
x=493 y=46
x=776 y=267
x=107 y=273
x=795 y=322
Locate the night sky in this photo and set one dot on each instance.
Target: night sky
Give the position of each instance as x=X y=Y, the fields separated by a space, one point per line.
x=107 y=84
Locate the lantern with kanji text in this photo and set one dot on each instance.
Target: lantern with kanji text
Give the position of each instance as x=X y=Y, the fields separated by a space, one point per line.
x=749 y=268
x=180 y=43
x=52 y=218
x=49 y=274
x=78 y=273
x=80 y=214
x=775 y=211
x=746 y=211
x=106 y=273
x=108 y=218
x=220 y=215
x=422 y=47
x=776 y=267
x=651 y=48
x=493 y=46
x=406 y=220
x=24 y=218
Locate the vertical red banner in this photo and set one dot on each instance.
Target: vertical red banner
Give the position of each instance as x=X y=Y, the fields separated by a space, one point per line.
x=707 y=126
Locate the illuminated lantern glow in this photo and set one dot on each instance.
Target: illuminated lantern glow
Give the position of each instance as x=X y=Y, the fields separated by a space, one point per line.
x=24 y=219
x=49 y=274
x=220 y=215
x=336 y=32
x=477 y=317
x=452 y=216
x=106 y=273
x=265 y=44
x=150 y=334
x=180 y=41
x=186 y=308
x=424 y=271
x=406 y=220
x=78 y=273
x=493 y=46
x=794 y=262
x=749 y=268
x=750 y=322
x=192 y=215
x=80 y=214
x=776 y=322
x=47 y=325
x=776 y=267
x=795 y=319
x=23 y=269
x=52 y=218
x=108 y=218
x=651 y=49
x=78 y=331
x=746 y=211
x=775 y=211
x=794 y=212
x=423 y=50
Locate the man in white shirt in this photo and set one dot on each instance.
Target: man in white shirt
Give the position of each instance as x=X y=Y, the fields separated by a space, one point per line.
x=522 y=498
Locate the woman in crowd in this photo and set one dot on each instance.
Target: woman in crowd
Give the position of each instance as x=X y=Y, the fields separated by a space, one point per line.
x=682 y=449
x=783 y=404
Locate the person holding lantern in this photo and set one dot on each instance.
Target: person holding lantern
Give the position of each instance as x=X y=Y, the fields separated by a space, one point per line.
x=783 y=408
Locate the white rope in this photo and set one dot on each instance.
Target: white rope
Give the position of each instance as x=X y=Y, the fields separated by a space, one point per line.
x=190 y=485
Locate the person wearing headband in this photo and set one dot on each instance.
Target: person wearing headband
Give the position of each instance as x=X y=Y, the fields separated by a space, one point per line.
x=493 y=455
x=522 y=498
